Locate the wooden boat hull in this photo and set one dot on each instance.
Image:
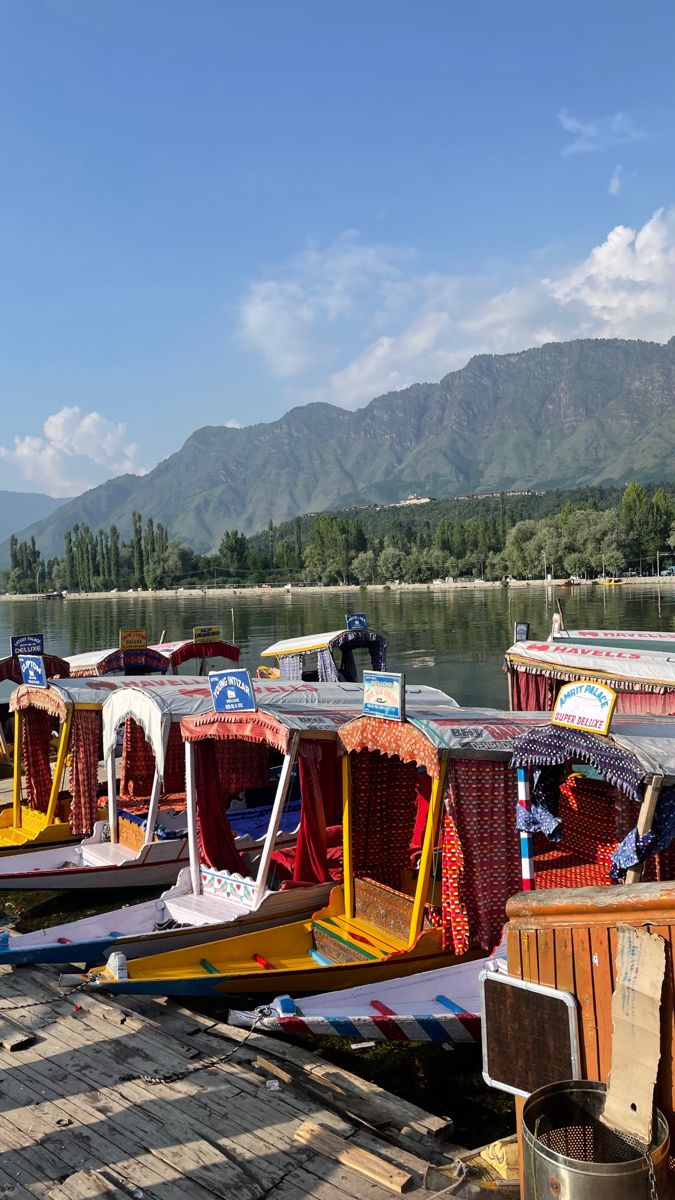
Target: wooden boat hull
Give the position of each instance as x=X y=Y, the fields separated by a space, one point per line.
x=67 y=869
x=281 y=959
x=33 y=832
x=438 y=1006
x=132 y=931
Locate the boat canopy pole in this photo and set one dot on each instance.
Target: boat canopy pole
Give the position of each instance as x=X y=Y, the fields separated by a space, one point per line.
x=430 y=836
x=283 y=788
x=644 y=821
x=347 y=848
x=191 y=799
x=153 y=808
x=526 y=854
x=59 y=766
x=16 y=788
x=112 y=795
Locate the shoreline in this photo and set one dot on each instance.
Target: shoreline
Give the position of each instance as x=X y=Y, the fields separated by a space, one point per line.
x=338 y=589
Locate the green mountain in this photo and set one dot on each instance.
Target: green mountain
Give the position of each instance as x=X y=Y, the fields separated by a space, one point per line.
x=18 y=509
x=563 y=415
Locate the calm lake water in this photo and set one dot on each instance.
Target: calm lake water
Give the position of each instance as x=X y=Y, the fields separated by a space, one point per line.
x=453 y=640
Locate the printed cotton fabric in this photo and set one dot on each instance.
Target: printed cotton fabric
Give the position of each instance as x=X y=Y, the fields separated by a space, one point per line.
x=36 y=732
x=84 y=749
x=481 y=853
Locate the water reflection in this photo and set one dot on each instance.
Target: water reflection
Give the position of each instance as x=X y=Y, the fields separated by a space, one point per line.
x=451 y=639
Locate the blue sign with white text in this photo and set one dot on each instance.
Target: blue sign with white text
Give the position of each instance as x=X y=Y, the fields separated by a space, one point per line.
x=27 y=643
x=356 y=620
x=33 y=670
x=384 y=695
x=232 y=691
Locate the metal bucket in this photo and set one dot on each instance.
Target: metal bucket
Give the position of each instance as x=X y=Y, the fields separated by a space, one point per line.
x=568 y=1154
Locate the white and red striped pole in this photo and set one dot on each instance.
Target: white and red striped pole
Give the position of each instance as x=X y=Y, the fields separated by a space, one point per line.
x=526 y=854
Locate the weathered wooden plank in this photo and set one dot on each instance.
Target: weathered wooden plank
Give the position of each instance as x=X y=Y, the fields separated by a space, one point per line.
x=374 y=1168
x=564 y=960
x=586 y=997
x=546 y=956
x=602 y=989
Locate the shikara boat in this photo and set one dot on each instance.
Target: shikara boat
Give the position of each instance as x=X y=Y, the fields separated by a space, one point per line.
x=43 y=812
x=140 y=844
x=389 y=918
x=643 y=678
x=435 y=1006
x=197 y=657
x=313 y=657
x=618 y=639
x=295 y=723
x=135 y=660
x=10 y=671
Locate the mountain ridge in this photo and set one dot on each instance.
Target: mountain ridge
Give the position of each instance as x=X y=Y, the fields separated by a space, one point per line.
x=560 y=415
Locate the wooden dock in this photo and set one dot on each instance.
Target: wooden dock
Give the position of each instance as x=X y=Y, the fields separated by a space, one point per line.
x=145 y=1099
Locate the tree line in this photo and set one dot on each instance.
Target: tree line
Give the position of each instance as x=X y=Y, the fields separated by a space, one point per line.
x=592 y=533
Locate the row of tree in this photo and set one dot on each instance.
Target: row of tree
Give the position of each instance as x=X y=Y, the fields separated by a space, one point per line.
x=583 y=538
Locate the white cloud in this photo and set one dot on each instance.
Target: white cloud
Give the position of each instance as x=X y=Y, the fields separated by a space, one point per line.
x=598 y=133
x=395 y=326
x=616 y=182
x=280 y=317
x=233 y=424
x=77 y=451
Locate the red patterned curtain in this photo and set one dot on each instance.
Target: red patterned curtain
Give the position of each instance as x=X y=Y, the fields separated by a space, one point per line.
x=384 y=807
x=241 y=765
x=533 y=693
x=481 y=855
x=84 y=749
x=318 y=765
x=174 y=761
x=36 y=732
x=214 y=835
x=138 y=762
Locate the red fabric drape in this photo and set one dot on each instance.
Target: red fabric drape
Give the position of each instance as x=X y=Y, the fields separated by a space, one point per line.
x=214 y=835
x=36 y=732
x=533 y=693
x=84 y=747
x=174 y=761
x=318 y=766
x=383 y=815
x=481 y=857
x=423 y=800
x=662 y=704
x=241 y=765
x=138 y=762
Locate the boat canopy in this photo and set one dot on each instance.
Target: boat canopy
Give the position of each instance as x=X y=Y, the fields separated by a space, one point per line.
x=154 y=704
x=113 y=662
x=636 y=748
x=594 y=814
x=429 y=734
x=186 y=650
x=291 y=652
x=624 y=639
x=55 y=667
x=63 y=695
x=308 y=709
x=644 y=679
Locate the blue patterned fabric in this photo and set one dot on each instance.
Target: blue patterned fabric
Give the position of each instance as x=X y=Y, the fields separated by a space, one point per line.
x=327 y=669
x=635 y=849
x=551 y=745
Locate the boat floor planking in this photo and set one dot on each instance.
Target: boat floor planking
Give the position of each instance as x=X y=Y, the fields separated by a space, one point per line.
x=133 y=928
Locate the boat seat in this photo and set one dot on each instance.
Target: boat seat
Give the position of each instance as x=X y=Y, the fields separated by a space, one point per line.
x=342 y=938
x=107 y=854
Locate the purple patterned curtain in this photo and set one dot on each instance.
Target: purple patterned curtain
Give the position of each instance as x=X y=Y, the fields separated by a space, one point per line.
x=327 y=669
x=290 y=666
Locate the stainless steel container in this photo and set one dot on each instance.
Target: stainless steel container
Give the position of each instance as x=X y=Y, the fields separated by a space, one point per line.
x=568 y=1154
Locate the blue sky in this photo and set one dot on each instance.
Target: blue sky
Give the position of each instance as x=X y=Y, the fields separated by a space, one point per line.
x=210 y=212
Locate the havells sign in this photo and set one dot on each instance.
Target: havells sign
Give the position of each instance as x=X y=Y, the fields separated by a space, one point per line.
x=585 y=705
x=232 y=691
